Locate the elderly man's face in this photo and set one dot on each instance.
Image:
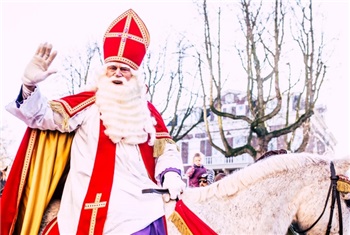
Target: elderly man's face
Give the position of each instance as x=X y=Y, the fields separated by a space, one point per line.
x=119 y=70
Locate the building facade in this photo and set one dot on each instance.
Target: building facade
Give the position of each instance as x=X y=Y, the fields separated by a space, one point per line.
x=321 y=141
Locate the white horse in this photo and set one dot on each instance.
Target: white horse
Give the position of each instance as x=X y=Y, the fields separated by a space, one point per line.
x=268 y=196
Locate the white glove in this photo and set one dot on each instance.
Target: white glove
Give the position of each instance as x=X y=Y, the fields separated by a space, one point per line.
x=36 y=71
x=175 y=185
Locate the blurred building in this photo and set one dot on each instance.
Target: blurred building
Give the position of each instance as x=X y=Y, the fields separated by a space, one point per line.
x=322 y=141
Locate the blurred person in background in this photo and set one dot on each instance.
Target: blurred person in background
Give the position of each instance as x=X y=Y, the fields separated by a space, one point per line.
x=196 y=170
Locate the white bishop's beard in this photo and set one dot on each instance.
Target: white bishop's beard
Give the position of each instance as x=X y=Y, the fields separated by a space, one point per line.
x=124 y=111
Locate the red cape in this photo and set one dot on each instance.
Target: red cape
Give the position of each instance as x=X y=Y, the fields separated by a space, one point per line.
x=20 y=182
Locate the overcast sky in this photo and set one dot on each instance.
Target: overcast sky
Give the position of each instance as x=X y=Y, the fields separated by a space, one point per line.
x=69 y=24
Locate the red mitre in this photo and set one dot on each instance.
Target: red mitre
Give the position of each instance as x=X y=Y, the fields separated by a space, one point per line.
x=126 y=40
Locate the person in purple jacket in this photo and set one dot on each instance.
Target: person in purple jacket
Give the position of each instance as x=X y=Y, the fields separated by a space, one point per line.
x=196 y=170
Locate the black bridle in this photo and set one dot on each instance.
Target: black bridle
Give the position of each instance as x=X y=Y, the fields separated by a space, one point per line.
x=335 y=197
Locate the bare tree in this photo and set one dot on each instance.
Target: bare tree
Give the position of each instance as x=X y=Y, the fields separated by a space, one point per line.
x=6 y=157
x=172 y=86
x=77 y=66
x=261 y=56
x=4 y=143
x=314 y=64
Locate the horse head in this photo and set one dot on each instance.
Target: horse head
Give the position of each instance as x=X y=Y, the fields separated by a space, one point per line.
x=267 y=196
x=332 y=214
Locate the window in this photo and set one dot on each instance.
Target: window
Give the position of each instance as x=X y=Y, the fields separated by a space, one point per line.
x=184 y=152
x=239 y=141
x=206 y=148
x=241 y=109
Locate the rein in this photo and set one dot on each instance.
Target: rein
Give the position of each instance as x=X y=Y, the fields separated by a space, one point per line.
x=335 y=197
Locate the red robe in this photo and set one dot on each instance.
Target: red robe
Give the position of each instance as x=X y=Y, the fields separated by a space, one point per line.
x=38 y=174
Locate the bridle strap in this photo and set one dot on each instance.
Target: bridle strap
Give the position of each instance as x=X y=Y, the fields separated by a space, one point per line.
x=335 y=196
x=324 y=209
x=340 y=216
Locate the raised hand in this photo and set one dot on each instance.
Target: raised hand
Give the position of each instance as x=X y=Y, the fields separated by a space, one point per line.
x=37 y=69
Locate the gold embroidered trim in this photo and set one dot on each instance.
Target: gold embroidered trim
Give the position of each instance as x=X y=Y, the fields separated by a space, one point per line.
x=32 y=138
x=77 y=108
x=180 y=224
x=122 y=59
x=159 y=146
x=58 y=108
x=31 y=143
x=162 y=134
x=95 y=205
x=125 y=35
x=61 y=107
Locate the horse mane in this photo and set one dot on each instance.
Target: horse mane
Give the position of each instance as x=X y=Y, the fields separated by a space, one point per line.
x=243 y=178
